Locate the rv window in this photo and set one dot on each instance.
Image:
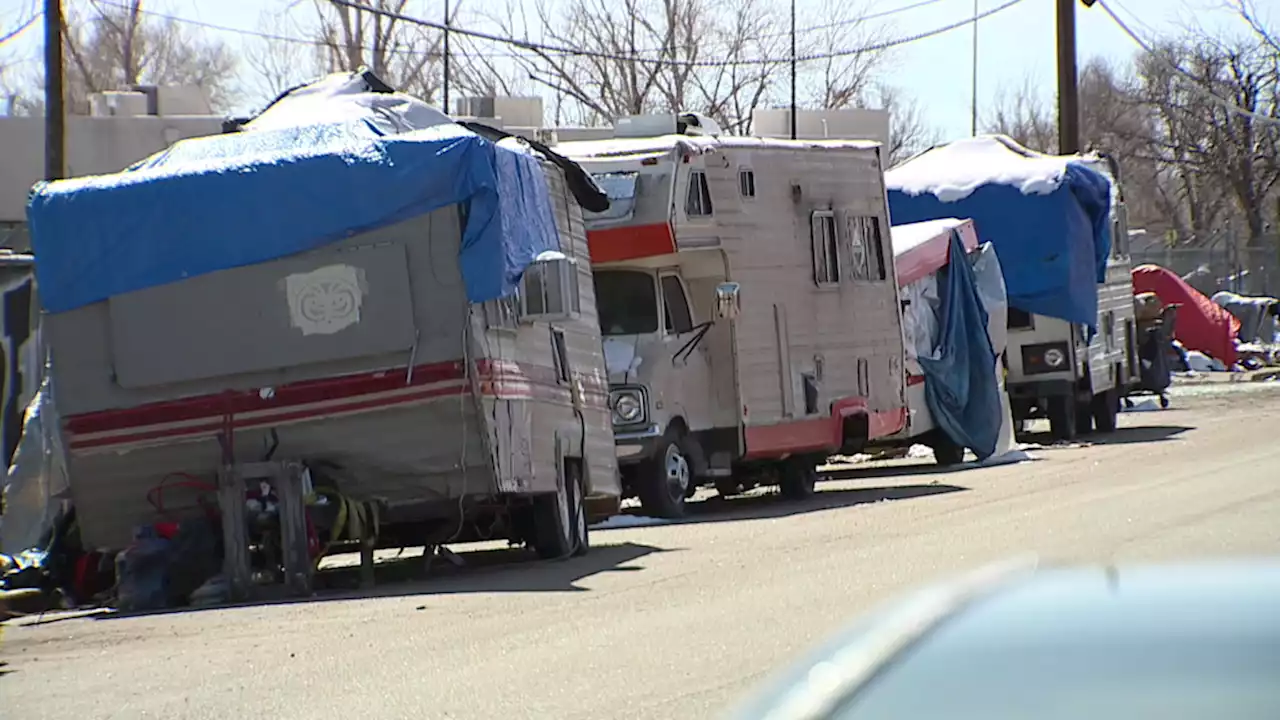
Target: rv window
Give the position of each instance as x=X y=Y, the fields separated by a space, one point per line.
x=560 y=355
x=627 y=302
x=747 y=182
x=698 y=202
x=866 y=251
x=826 y=252
x=679 y=317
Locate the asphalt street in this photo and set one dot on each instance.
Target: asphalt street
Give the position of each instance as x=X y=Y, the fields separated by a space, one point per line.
x=675 y=620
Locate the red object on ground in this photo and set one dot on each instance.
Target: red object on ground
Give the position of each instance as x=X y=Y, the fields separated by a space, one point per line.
x=1202 y=324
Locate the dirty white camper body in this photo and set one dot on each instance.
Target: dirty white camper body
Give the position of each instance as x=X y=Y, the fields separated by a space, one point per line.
x=365 y=361
x=1095 y=373
x=748 y=303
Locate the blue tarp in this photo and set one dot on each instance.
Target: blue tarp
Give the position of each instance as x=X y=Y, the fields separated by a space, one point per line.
x=209 y=204
x=1053 y=247
x=960 y=380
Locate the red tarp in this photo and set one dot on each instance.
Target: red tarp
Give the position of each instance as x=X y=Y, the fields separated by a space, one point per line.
x=1202 y=324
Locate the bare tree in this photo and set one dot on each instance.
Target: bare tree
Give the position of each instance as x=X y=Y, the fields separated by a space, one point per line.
x=114 y=46
x=278 y=65
x=405 y=55
x=909 y=131
x=721 y=57
x=842 y=79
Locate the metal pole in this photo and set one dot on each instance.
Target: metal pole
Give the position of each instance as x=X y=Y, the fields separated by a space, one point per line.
x=54 y=111
x=1068 y=96
x=974 y=119
x=793 y=69
x=446 y=56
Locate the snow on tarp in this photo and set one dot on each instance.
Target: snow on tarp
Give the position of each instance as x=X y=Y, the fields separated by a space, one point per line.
x=1200 y=323
x=924 y=247
x=1049 y=217
x=213 y=203
x=961 y=388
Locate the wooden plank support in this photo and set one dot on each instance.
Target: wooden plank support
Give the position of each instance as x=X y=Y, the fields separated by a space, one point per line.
x=235 y=532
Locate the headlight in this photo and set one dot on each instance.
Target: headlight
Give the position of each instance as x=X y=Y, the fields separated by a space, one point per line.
x=1054 y=358
x=628 y=407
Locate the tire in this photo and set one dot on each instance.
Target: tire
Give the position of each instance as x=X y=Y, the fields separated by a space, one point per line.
x=946 y=452
x=1105 y=408
x=560 y=518
x=799 y=477
x=1164 y=402
x=663 y=481
x=1084 y=417
x=1062 y=417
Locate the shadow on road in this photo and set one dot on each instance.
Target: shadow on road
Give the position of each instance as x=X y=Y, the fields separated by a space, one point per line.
x=486 y=571
x=1121 y=436
x=770 y=505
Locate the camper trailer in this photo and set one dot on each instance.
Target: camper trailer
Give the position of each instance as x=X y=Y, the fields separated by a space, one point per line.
x=748 y=304
x=399 y=322
x=953 y=338
x=1057 y=223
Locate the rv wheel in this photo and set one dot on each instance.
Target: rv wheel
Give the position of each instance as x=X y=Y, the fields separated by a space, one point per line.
x=1062 y=417
x=799 y=477
x=560 y=519
x=945 y=450
x=663 y=481
x=1104 y=411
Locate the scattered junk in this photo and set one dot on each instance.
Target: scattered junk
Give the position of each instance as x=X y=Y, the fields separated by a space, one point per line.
x=1058 y=224
x=353 y=324
x=748 y=305
x=1156 y=351
x=1200 y=324
x=1259 y=335
x=953 y=318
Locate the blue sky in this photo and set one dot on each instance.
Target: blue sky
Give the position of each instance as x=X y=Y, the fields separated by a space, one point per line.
x=1015 y=46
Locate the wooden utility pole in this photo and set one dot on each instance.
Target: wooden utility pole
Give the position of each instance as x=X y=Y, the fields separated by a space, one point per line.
x=55 y=143
x=447 y=21
x=793 y=69
x=1068 y=92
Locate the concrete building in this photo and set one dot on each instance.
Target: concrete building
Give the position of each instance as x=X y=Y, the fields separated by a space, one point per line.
x=121 y=129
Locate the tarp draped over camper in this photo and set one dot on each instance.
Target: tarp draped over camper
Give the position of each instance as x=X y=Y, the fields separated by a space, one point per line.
x=946 y=326
x=213 y=203
x=1201 y=324
x=1047 y=216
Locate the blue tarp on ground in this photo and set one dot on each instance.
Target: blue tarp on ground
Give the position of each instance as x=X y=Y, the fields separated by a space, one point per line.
x=1053 y=246
x=960 y=380
x=225 y=201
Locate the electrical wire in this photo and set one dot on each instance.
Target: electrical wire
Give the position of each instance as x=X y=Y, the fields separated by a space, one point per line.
x=544 y=48
x=1194 y=84
x=22 y=27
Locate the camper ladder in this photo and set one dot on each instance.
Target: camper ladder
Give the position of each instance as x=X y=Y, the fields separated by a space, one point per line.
x=286 y=478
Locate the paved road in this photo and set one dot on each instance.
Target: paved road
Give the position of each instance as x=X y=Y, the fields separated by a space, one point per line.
x=671 y=621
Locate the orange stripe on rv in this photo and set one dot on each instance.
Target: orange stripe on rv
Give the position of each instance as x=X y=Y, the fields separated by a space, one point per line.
x=631 y=243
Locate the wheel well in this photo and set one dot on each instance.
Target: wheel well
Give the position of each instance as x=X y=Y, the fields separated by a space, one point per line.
x=855 y=430
x=678 y=423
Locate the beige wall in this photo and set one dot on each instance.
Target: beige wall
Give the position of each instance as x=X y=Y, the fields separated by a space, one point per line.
x=95 y=145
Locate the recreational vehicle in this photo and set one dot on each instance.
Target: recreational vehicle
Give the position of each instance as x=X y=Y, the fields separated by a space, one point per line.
x=1057 y=223
x=1079 y=387
x=747 y=299
x=401 y=324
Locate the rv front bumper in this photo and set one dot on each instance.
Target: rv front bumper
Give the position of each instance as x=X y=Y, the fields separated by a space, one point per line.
x=1038 y=389
x=636 y=446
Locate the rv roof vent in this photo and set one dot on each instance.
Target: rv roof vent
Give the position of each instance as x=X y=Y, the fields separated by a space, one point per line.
x=697 y=124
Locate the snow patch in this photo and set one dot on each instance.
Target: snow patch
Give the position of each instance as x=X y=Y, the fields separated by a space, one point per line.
x=953 y=172
x=618 y=522
x=1144 y=405
x=1199 y=362
x=920 y=452
x=1013 y=457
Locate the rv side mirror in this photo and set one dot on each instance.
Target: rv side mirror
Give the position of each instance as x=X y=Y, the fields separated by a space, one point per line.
x=549 y=289
x=728 y=301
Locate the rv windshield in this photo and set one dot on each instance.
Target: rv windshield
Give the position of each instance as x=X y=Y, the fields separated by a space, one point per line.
x=627 y=301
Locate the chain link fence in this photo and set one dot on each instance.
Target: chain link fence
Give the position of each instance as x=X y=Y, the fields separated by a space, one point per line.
x=1249 y=271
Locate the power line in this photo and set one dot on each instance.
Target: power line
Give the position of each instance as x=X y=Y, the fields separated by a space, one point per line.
x=1195 y=83
x=21 y=28
x=543 y=48
x=528 y=46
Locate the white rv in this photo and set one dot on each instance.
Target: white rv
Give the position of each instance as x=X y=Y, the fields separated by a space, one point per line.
x=1056 y=371
x=748 y=304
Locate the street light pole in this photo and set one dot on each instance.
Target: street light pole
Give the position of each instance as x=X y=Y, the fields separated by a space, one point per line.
x=793 y=69
x=446 y=56
x=55 y=165
x=1068 y=92
x=974 y=107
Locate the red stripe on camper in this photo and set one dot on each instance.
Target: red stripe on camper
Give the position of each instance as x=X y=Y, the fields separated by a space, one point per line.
x=631 y=243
